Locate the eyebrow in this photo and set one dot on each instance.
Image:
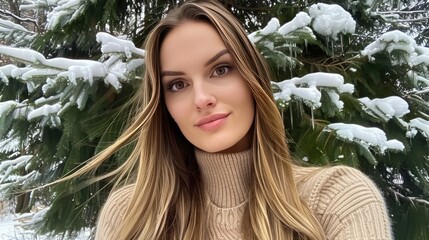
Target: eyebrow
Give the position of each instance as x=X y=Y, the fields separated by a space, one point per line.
x=211 y=60
x=171 y=73
x=215 y=57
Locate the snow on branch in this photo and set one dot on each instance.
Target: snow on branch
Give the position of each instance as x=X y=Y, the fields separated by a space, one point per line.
x=8 y=166
x=14 y=34
x=64 y=12
x=31 y=219
x=330 y=20
x=111 y=44
x=44 y=110
x=308 y=88
x=396 y=40
x=11 y=110
x=7 y=106
x=418 y=78
x=69 y=80
x=10 y=26
x=6 y=71
x=8 y=145
x=366 y=137
x=407 y=53
x=300 y=21
x=397 y=16
x=385 y=108
x=36 y=58
x=421 y=56
x=393 y=40
x=31 y=5
x=271 y=27
x=418 y=125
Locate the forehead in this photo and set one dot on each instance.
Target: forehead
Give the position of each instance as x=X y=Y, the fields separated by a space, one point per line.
x=190 y=42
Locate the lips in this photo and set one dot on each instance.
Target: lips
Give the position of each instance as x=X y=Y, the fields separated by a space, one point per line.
x=212 y=122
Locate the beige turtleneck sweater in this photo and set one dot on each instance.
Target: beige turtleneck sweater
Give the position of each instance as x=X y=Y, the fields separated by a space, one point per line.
x=347 y=204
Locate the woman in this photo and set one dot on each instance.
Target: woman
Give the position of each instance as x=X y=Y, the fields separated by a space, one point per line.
x=210 y=158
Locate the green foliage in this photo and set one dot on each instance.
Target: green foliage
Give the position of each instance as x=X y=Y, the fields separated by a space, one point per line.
x=93 y=112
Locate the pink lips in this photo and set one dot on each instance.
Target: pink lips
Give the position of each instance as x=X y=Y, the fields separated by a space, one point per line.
x=212 y=122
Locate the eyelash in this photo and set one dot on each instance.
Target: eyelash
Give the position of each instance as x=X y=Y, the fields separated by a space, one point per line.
x=173 y=83
x=225 y=66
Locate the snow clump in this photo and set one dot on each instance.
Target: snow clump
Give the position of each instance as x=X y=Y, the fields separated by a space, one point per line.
x=330 y=20
x=365 y=137
x=385 y=108
x=306 y=88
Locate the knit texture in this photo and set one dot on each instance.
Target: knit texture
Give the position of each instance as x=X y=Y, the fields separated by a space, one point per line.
x=347 y=204
x=226 y=180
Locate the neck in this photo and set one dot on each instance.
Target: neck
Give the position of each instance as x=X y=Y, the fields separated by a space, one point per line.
x=226 y=176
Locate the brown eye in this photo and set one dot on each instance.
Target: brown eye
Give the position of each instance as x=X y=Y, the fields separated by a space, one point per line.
x=177 y=86
x=221 y=70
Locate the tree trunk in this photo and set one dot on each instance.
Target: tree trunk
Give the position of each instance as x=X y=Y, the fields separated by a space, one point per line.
x=22 y=203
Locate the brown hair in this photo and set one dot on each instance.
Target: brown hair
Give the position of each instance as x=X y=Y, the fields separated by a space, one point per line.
x=164 y=162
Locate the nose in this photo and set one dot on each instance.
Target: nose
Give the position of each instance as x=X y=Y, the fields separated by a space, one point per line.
x=203 y=97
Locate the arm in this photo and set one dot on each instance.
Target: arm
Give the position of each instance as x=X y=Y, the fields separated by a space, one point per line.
x=350 y=206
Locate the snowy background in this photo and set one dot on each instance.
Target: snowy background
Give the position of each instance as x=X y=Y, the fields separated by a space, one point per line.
x=11 y=228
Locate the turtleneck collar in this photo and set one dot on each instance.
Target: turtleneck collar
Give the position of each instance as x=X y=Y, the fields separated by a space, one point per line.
x=226 y=176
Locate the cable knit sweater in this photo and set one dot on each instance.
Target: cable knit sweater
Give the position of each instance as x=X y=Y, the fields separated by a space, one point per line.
x=347 y=204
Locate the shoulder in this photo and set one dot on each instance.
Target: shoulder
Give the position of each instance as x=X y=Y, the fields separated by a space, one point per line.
x=113 y=212
x=346 y=202
x=313 y=181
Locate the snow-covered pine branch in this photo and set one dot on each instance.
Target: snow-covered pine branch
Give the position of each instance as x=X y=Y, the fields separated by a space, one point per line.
x=69 y=80
x=64 y=12
x=15 y=34
x=8 y=145
x=279 y=43
x=367 y=137
x=413 y=55
x=385 y=108
x=19 y=18
x=7 y=167
x=308 y=88
x=418 y=125
x=331 y=20
x=300 y=21
x=328 y=20
x=404 y=51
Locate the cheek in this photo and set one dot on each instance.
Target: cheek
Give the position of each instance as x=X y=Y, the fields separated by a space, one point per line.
x=177 y=110
x=244 y=97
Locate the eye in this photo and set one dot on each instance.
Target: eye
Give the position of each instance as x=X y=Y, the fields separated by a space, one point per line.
x=221 y=70
x=177 y=85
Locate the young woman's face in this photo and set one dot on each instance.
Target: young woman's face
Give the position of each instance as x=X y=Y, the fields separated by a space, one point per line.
x=204 y=92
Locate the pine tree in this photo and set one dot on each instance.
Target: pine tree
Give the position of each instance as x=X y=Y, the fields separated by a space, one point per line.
x=381 y=126
x=352 y=91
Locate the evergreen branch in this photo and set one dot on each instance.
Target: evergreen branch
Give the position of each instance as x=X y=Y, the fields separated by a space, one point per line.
x=7 y=13
x=404 y=12
x=408 y=20
x=233 y=4
x=258 y=9
x=331 y=63
x=408 y=198
x=418 y=92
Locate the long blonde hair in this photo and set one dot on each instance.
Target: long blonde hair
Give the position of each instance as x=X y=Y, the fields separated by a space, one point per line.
x=167 y=201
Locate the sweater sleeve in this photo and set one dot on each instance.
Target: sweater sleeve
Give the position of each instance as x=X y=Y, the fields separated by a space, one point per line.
x=112 y=213
x=350 y=206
